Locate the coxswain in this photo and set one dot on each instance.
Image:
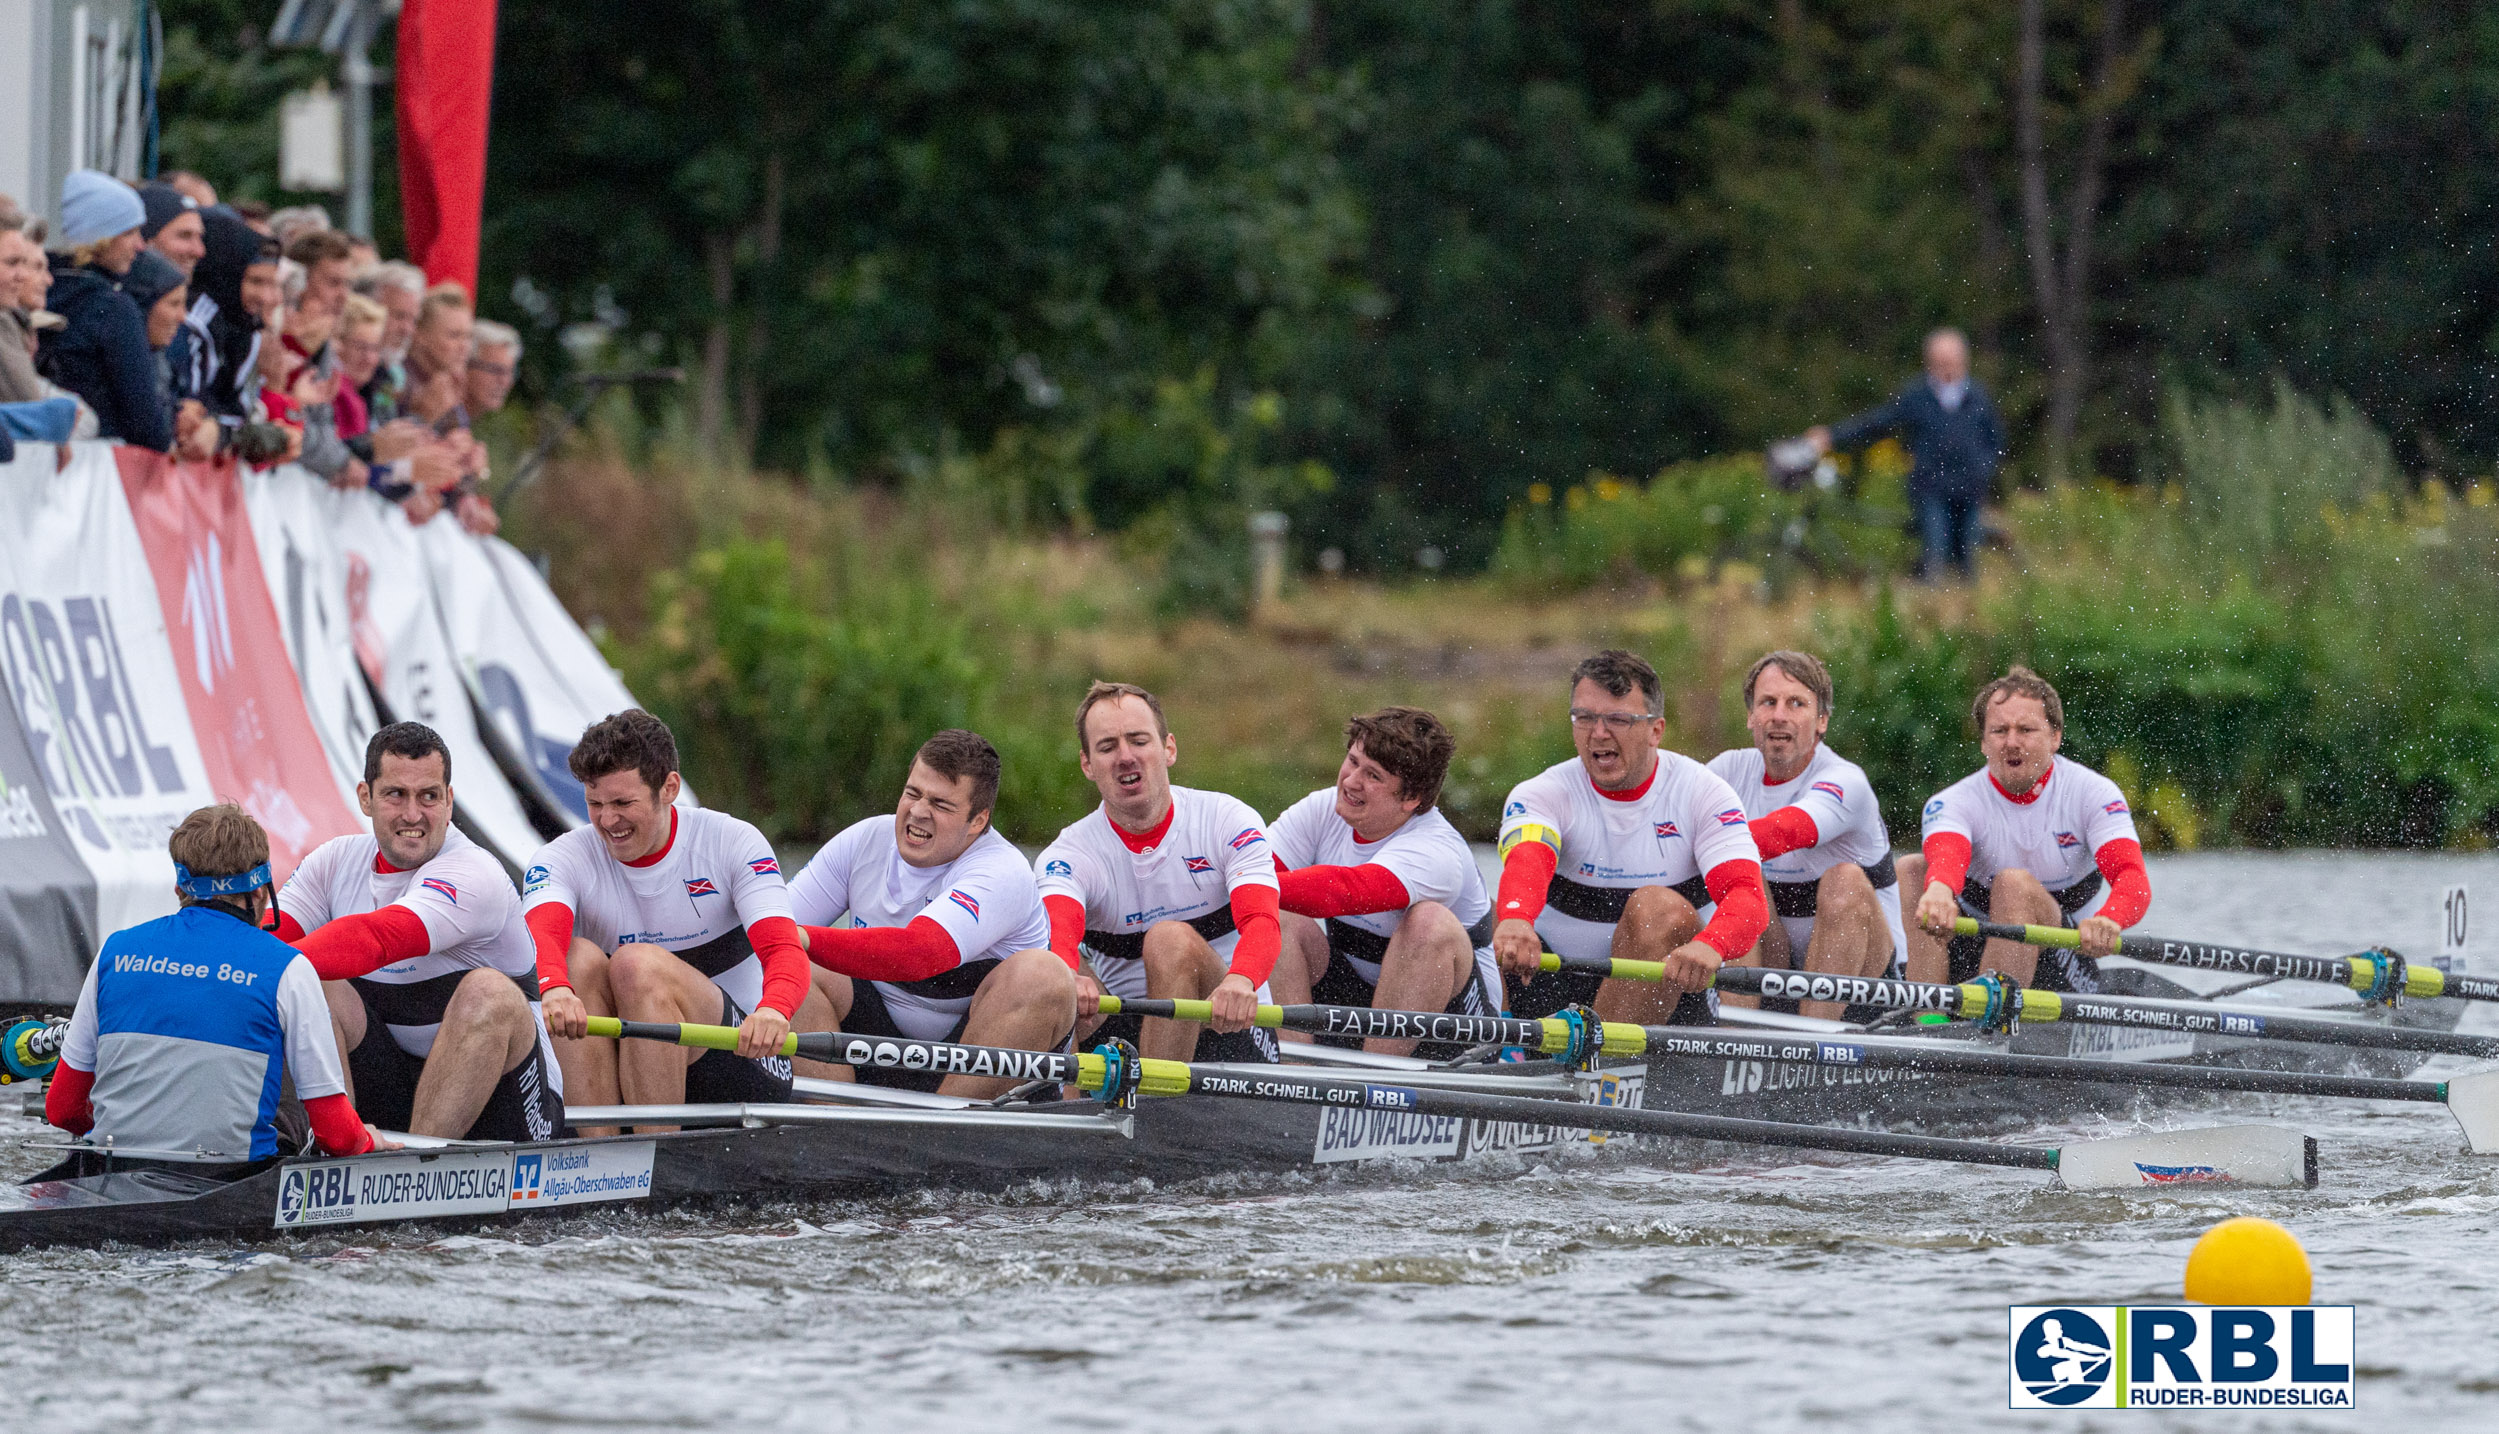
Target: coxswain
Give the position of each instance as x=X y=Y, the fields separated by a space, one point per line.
x=1169 y=892
x=1616 y=853
x=945 y=939
x=2031 y=838
x=186 y=1025
x=657 y=912
x=416 y=933
x=1826 y=855
x=1407 y=921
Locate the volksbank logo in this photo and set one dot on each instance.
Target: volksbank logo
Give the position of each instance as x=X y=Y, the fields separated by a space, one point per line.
x=2180 y=1356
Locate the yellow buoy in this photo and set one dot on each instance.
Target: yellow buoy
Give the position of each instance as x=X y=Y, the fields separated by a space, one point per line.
x=2248 y=1261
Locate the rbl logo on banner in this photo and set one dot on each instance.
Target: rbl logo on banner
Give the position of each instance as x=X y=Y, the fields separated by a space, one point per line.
x=2180 y=1356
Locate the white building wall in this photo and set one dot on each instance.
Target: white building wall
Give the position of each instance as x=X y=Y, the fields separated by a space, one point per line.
x=69 y=95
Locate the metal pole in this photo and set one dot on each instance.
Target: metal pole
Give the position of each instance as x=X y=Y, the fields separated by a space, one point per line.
x=357 y=64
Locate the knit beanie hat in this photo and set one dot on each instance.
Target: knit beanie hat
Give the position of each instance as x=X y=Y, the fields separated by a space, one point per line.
x=95 y=206
x=164 y=204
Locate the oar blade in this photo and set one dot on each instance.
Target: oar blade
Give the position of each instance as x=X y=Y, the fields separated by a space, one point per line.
x=2210 y=1155
x=2473 y=1099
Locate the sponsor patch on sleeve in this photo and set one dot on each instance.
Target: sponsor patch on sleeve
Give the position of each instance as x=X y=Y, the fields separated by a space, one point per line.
x=1934 y=808
x=535 y=880
x=441 y=888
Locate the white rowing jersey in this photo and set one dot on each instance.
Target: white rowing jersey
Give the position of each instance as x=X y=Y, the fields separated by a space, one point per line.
x=695 y=896
x=1211 y=844
x=1835 y=793
x=1429 y=857
x=472 y=920
x=2054 y=831
x=984 y=898
x=1672 y=832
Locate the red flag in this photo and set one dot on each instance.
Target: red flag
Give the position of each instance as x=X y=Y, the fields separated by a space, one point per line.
x=446 y=83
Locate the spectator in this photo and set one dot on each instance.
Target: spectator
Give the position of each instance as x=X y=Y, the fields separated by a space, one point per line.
x=494 y=356
x=101 y=352
x=297 y=220
x=183 y=181
x=359 y=344
x=256 y=215
x=361 y=254
x=173 y=226
x=224 y=321
x=438 y=358
x=328 y=259
x=399 y=287
x=24 y=278
x=1955 y=440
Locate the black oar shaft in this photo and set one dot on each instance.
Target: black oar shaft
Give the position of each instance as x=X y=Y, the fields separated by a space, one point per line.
x=892 y=1053
x=2359 y=973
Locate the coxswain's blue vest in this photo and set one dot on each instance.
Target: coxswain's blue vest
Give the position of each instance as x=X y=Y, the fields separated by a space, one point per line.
x=189 y=1044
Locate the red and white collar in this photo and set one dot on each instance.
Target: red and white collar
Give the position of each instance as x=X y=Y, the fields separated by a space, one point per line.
x=1631 y=794
x=654 y=858
x=2026 y=798
x=1142 y=843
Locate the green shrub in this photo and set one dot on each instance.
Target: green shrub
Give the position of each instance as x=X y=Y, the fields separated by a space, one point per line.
x=1692 y=517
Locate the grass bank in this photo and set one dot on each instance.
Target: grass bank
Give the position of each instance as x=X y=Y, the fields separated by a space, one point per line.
x=2284 y=644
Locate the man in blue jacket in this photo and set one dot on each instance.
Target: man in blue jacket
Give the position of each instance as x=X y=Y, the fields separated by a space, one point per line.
x=1955 y=439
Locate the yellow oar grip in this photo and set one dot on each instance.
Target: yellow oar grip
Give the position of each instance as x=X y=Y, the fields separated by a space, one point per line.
x=1271 y=1017
x=2060 y=936
x=607 y=1026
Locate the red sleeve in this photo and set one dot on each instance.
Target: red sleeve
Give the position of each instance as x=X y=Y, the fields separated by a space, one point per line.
x=1525 y=873
x=1785 y=830
x=65 y=1102
x=551 y=929
x=287 y=929
x=1343 y=890
x=361 y=945
x=1947 y=860
x=885 y=953
x=2130 y=886
x=775 y=939
x=336 y=1125
x=1262 y=936
x=1067 y=926
x=1743 y=910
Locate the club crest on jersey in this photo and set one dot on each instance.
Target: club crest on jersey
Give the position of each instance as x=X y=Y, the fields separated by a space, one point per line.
x=1934 y=808
x=2116 y=808
x=1515 y=809
x=1244 y=837
x=442 y=888
x=1059 y=868
x=535 y=880
x=967 y=903
x=2068 y=840
x=1668 y=829
x=1731 y=818
x=1200 y=863
x=1832 y=790
x=765 y=866
x=701 y=886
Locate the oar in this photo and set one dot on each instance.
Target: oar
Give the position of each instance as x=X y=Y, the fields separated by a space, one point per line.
x=1971 y=1002
x=2472 y=1099
x=2362 y=972
x=2246 y=1154
x=29 y=1049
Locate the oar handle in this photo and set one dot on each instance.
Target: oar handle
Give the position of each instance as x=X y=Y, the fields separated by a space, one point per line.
x=2064 y=938
x=1546 y=1036
x=30 y=1049
x=1084 y=1070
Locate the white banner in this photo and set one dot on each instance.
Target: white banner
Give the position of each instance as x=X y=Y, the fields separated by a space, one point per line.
x=292 y=514
x=398 y=636
x=83 y=644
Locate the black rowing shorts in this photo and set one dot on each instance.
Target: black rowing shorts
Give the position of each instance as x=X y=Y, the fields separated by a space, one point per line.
x=1343 y=984
x=727 y=1078
x=524 y=1105
x=2058 y=970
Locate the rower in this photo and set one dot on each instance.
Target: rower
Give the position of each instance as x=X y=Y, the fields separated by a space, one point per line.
x=1615 y=853
x=1826 y=855
x=947 y=939
x=656 y=912
x=1170 y=892
x=186 y=1023
x=1408 y=922
x=2030 y=838
x=416 y=932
